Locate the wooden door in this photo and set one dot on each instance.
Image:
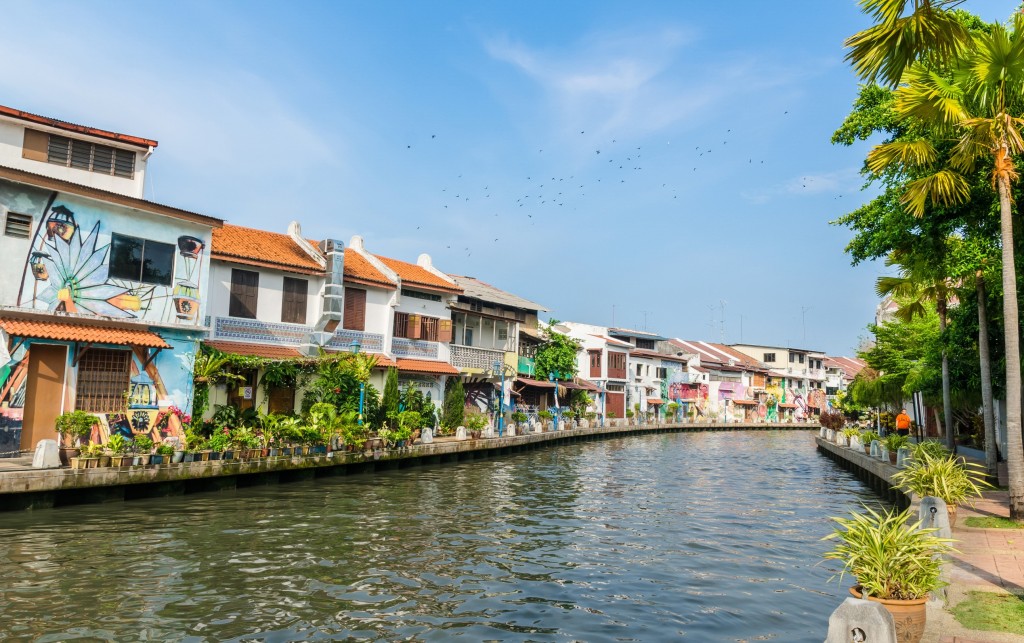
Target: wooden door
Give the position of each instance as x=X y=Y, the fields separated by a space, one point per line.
x=44 y=392
x=616 y=403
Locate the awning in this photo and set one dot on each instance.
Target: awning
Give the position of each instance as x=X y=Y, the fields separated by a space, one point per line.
x=654 y=401
x=579 y=386
x=746 y=402
x=426 y=366
x=536 y=383
x=255 y=350
x=68 y=330
x=787 y=406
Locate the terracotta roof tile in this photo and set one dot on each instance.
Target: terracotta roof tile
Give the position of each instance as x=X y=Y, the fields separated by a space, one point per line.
x=359 y=269
x=415 y=275
x=262 y=248
x=255 y=350
x=69 y=331
x=425 y=366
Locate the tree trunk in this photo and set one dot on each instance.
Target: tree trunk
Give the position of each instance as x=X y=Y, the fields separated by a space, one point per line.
x=1011 y=325
x=986 y=381
x=947 y=400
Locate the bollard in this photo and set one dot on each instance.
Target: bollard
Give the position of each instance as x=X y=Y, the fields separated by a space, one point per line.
x=876 y=448
x=855 y=444
x=902 y=456
x=862 y=621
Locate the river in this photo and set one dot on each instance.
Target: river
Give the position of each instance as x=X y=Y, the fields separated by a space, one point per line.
x=701 y=536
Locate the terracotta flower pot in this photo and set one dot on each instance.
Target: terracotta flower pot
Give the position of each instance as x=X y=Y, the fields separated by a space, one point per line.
x=908 y=615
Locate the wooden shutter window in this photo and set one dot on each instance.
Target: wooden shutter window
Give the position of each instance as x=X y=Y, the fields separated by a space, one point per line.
x=293 y=300
x=244 y=293
x=412 y=327
x=444 y=332
x=355 y=309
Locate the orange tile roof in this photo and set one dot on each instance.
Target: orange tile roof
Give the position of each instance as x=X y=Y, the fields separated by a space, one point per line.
x=262 y=248
x=255 y=350
x=425 y=366
x=360 y=270
x=415 y=275
x=81 y=129
x=69 y=331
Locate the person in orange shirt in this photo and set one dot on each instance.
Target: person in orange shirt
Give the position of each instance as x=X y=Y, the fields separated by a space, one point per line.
x=903 y=423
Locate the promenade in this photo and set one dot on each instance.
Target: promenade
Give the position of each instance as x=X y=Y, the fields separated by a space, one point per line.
x=22 y=487
x=989 y=560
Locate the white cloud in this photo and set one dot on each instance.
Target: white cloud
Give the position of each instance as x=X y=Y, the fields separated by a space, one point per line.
x=845 y=181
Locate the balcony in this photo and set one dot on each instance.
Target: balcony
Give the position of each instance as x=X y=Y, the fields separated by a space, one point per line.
x=527 y=365
x=413 y=348
x=368 y=342
x=259 y=332
x=470 y=357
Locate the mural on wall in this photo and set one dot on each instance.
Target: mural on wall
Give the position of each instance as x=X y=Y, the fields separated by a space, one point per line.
x=67 y=270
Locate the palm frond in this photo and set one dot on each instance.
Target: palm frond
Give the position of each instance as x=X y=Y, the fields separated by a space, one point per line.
x=930 y=97
x=905 y=153
x=945 y=187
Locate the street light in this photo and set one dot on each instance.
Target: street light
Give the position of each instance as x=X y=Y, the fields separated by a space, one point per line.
x=501 y=398
x=603 y=402
x=551 y=378
x=354 y=349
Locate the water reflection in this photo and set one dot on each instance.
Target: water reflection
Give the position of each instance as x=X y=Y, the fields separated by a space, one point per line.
x=711 y=536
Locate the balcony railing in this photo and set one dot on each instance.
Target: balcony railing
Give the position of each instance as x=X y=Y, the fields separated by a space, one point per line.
x=473 y=357
x=368 y=342
x=402 y=347
x=261 y=332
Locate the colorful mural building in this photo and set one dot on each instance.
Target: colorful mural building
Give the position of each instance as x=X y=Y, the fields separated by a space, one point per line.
x=102 y=294
x=796 y=378
x=728 y=386
x=281 y=296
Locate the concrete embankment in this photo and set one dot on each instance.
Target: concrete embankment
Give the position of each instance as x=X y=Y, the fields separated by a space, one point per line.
x=27 y=488
x=876 y=473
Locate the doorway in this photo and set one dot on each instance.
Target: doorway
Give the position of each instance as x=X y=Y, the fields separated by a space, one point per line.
x=44 y=393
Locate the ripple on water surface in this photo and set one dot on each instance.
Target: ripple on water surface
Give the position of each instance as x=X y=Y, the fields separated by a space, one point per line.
x=705 y=536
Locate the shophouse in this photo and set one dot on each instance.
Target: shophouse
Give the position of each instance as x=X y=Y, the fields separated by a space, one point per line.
x=103 y=293
x=647 y=375
x=603 y=362
x=732 y=383
x=281 y=296
x=839 y=374
x=796 y=377
x=488 y=330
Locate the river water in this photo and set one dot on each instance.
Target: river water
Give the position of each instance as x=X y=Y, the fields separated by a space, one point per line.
x=702 y=536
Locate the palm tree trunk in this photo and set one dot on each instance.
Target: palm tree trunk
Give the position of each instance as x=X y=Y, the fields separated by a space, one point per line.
x=947 y=400
x=986 y=381
x=1011 y=326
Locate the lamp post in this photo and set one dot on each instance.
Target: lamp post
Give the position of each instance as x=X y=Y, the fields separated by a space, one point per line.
x=603 y=402
x=551 y=378
x=354 y=349
x=501 y=398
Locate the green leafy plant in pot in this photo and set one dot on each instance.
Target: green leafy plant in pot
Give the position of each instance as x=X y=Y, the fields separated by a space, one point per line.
x=866 y=438
x=895 y=562
x=893 y=443
x=953 y=480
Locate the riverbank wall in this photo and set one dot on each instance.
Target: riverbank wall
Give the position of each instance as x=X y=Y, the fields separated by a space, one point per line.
x=874 y=472
x=27 y=488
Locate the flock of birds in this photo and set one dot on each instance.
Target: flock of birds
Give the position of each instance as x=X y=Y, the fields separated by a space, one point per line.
x=540 y=194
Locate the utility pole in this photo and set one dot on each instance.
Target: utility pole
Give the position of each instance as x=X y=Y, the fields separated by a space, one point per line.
x=803 y=321
x=721 y=325
x=711 y=320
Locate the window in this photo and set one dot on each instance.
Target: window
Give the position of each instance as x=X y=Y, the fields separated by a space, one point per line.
x=416 y=294
x=617 y=361
x=18 y=225
x=639 y=370
x=503 y=333
x=661 y=373
x=476 y=306
x=293 y=301
x=428 y=329
x=769 y=358
x=647 y=344
x=84 y=155
x=792 y=358
x=141 y=260
x=801 y=358
x=355 y=309
x=468 y=337
x=245 y=286
x=104 y=376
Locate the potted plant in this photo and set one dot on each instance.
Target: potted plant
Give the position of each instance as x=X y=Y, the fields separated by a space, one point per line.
x=611 y=416
x=629 y=416
x=218 y=444
x=73 y=429
x=519 y=418
x=142 y=445
x=475 y=423
x=118 y=446
x=950 y=478
x=866 y=438
x=894 y=563
x=893 y=443
x=544 y=416
x=850 y=433
x=89 y=456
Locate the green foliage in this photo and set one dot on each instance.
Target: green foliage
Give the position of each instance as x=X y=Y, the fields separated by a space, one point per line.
x=557 y=354
x=949 y=478
x=930 y=448
x=219 y=441
x=454 y=411
x=991 y=611
x=142 y=444
x=519 y=417
x=75 y=424
x=391 y=399
x=867 y=437
x=992 y=522
x=475 y=421
x=545 y=415
x=894 y=442
x=890 y=558
x=118 y=444
x=165 y=450
x=413 y=399
x=834 y=421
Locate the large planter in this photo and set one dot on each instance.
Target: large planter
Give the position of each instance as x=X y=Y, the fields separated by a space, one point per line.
x=66 y=453
x=908 y=615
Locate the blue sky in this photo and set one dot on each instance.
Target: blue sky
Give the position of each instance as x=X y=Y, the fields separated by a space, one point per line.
x=651 y=158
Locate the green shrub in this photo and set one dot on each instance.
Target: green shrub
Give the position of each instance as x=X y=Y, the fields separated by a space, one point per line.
x=949 y=478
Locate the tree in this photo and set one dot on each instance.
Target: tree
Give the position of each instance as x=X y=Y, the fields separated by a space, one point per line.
x=557 y=354
x=976 y=109
x=453 y=413
x=923 y=281
x=391 y=398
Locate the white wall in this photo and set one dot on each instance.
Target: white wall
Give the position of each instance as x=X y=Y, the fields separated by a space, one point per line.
x=271 y=292
x=12 y=141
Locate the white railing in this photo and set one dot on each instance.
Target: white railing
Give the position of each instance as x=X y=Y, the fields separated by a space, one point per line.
x=473 y=357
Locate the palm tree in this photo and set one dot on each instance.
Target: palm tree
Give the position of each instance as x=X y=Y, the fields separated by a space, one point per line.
x=919 y=282
x=973 y=107
x=928 y=31
x=987 y=415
